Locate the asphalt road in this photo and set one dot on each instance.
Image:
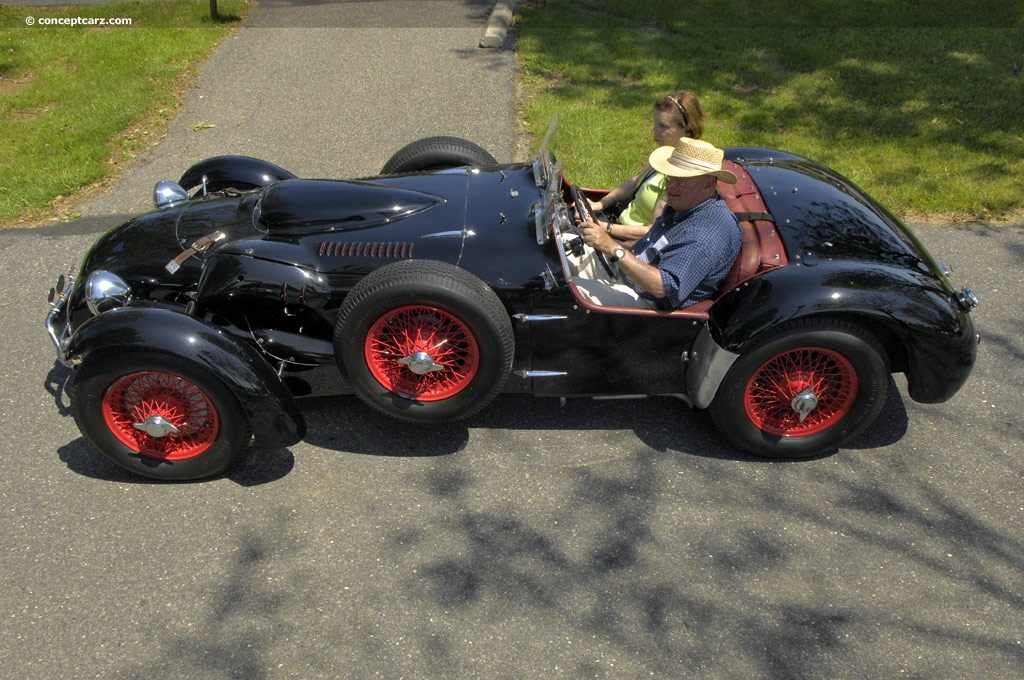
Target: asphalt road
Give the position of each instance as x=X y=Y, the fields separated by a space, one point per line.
x=590 y=539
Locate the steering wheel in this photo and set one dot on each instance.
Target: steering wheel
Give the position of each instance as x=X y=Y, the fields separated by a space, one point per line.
x=585 y=214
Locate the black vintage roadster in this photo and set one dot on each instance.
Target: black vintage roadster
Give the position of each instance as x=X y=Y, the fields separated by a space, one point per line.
x=450 y=278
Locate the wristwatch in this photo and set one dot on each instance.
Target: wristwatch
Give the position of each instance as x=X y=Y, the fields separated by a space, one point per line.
x=617 y=254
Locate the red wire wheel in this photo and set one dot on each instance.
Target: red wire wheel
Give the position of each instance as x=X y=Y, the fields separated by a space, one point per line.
x=822 y=379
x=142 y=402
x=424 y=341
x=422 y=352
x=804 y=389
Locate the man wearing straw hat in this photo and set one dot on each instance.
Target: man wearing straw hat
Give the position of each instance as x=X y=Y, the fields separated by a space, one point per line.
x=689 y=250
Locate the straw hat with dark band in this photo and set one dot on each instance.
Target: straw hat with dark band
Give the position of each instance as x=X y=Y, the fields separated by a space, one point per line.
x=691 y=158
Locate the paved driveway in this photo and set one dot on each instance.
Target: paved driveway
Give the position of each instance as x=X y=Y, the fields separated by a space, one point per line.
x=594 y=539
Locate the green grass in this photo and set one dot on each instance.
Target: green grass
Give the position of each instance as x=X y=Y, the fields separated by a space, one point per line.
x=916 y=101
x=921 y=103
x=77 y=100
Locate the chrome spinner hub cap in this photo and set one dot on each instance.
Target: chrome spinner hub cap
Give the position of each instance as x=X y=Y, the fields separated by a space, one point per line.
x=804 y=403
x=156 y=426
x=420 y=363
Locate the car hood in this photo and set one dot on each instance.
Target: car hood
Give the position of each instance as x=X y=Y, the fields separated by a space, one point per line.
x=300 y=206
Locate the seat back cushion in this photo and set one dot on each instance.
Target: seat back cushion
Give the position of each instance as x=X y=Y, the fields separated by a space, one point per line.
x=761 y=249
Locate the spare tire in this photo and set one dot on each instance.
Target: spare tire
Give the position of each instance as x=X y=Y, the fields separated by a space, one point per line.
x=437 y=153
x=424 y=341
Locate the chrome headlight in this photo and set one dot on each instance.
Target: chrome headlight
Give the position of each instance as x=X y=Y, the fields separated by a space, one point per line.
x=105 y=291
x=967 y=299
x=167 y=193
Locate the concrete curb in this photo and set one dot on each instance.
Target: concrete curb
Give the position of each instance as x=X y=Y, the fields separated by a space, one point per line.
x=499 y=23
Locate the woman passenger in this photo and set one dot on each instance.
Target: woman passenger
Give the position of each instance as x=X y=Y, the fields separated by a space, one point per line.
x=676 y=115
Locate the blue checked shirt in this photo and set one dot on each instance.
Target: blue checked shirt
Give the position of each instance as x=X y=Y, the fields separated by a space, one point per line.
x=693 y=250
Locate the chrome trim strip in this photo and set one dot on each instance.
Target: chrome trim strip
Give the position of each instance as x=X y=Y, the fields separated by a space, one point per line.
x=451 y=234
x=539 y=317
x=541 y=374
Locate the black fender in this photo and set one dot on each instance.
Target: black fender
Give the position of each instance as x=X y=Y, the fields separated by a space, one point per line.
x=273 y=414
x=222 y=172
x=927 y=335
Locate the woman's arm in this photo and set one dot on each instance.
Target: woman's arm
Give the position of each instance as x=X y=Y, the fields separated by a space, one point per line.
x=634 y=232
x=624 y=190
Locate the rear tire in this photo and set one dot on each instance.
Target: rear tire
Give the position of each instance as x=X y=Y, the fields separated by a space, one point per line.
x=833 y=371
x=437 y=153
x=158 y=416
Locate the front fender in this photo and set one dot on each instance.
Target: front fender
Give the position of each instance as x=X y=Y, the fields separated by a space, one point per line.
x=226 y=171
x=274 y=416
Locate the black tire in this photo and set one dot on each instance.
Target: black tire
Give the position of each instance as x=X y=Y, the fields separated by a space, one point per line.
x=424 y=341
x=110 y=392
x=437 y=153
x=839 y=368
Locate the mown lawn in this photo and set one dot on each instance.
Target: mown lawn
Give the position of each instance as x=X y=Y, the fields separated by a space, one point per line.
x=920 y=103
x=77 y=100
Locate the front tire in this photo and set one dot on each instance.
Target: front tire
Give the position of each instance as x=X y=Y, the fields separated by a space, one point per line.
x=804 y=390
x=437 y=153
x=424 y=341
x=158 y=416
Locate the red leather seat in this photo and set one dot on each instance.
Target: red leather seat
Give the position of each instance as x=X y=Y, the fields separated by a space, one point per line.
x=761 y=249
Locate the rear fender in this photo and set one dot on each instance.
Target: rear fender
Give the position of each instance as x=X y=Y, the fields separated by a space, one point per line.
x=274 y=416
x=924 y=332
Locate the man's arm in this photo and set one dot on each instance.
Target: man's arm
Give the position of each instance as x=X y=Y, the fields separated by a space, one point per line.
x=642 y=274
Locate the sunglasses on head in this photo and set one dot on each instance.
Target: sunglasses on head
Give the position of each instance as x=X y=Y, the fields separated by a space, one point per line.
x=686 y=119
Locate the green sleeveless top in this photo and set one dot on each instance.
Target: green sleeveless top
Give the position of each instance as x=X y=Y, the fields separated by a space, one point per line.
x=640 y=209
